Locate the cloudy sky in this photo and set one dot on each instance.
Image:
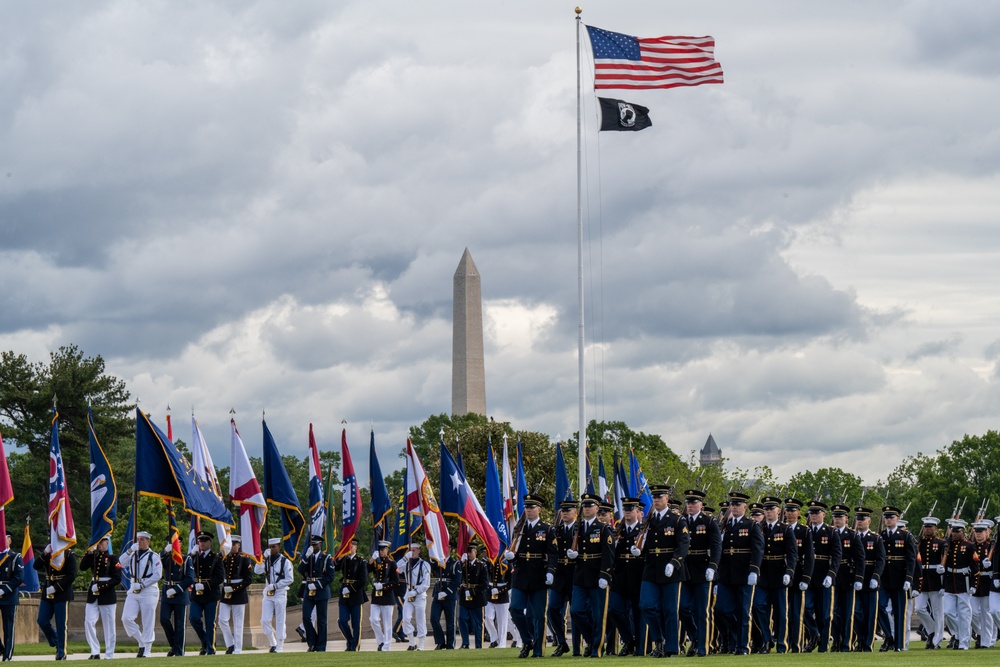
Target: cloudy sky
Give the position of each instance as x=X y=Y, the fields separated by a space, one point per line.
x=261 y=205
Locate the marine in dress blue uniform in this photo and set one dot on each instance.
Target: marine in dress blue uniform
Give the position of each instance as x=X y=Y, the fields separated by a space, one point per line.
x=827 y=550
x=529 y=555
x=702 y=564
x=11 y=576
x=739 y=569
x=205 y=594
x=896 y=582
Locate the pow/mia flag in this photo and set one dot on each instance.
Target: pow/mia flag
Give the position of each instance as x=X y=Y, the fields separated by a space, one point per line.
x=623 y=116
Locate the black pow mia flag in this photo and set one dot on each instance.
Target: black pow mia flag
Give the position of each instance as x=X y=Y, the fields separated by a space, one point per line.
x=623 y=116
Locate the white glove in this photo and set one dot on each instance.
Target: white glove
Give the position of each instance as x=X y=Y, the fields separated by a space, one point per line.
x=907 y=586
x=48 y=549
x=171 y=592
x=268 y=589
x=668 y=571
x=803 y=586
x=229 y=589
x=312 y=585
x=408 y=555
x=549 y=579
x=635 y=551
x=135 y=547
x=258 y=568
x=378 y=585
x=572 y=554
x=602 y=583
x=914 y=593
x=199 y=587
x=827 y=581
x=495 y=591
x=857 y=585
x=972 y=590
x=709 y=574
x=442 y=595
x=939 y=569
x=374 y=555
x=465 y=558
x=987 y=563
x=786 y=579
x=752 y=579
x=194 y=550
x=941 y=592
x=309 y=552
x=508 y=555
x=136 y=588
x=93 y=589
x=345 y=591
x=51 y=590
x=996 y=584
x=873 y=584
x=167 y=549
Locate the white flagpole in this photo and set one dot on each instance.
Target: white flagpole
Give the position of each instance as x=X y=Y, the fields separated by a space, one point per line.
x=582 y=440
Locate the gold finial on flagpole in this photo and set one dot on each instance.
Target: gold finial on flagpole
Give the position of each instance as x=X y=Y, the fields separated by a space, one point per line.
x=578 y=10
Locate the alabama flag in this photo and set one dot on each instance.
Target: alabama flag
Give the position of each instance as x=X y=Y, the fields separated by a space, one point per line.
x=420 y=501
x=245 y=492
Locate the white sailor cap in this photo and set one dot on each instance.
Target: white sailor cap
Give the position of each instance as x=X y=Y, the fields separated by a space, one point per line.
x=274 y=541
x=415 y=545
x=143 y=533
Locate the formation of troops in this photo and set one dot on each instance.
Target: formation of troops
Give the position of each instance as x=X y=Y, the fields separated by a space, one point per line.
x=678 y=580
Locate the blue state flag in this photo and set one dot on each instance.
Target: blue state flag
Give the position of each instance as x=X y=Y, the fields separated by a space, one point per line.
x=494 y=499
x=563 y=490
x=161 y=472
x=637 y=482
x=103 y=490
x=278 y=491
x=381 y=504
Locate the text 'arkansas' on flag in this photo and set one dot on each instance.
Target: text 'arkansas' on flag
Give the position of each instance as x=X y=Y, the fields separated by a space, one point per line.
x=622 y=116
x=626 y=62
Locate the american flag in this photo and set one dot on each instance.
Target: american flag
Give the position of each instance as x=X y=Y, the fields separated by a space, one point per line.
x=623 y=61
x=62 y=532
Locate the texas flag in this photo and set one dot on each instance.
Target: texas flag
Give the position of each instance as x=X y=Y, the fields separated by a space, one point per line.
x=420 y=501
x=459 y=500
x=62 y=532
x=351 y=510
x=244 y=490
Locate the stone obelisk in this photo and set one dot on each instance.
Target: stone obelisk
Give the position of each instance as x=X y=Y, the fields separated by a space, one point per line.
x=468 y=376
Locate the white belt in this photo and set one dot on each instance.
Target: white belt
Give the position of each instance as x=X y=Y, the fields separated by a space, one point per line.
x=961 y=570
x=104 y=578
x=236 y=581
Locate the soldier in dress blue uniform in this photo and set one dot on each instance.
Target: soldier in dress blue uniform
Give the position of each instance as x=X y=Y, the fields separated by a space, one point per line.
x=472 y=597
x=896 y=582
x=804 y=566
x=849 y=580
x=827 y=550
x=739 y=568
x=11 y=576
x=770 y=604
x=529 y=555
x=449 y=578
x=353 y=577
x=57 y=592
x=317 y=571
x=205 y=594
x=663 y=543
x=866 y=614
x=702 y=563
x=626 y=584
x=561 y=589
x=175 y=599
x=930 y=553
x=593 y=552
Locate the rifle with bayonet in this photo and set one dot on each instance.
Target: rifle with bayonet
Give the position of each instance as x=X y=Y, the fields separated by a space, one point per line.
x=519 y=526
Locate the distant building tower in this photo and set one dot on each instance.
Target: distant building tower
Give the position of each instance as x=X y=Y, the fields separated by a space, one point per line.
x=468 y=376
x=710 y=453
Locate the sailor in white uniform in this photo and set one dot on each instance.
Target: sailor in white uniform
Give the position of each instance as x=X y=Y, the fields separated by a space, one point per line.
x=278 y=576
x=144 y=570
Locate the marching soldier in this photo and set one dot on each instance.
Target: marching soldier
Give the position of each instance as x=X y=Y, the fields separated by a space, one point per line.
x=235 y=597
x=804 y=566
x=897 y=580
x=702 y=563
x=144 y=570
x=868 y=595
x=827 y=550
x=102 y=598
x=770 y=602
x=58 y=587
x=384 y=583
x=561 y=588
x=626 y=584
x=664 y=542
x=278 y=576
x=11 y=576
x=497 y=607
x=175 y=598
x=982 y=620
x=930 y=553
x=317 y=573
x=594 y=554
x=208 y=578
x=849 y=581
x=739 y=567
x=353 y=577
x=472 y=597
x=529 y=556
x=415 y=572
x=959 y=570
x=449 y=578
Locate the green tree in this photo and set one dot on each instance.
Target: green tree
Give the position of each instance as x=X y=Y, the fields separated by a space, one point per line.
x=831 y=485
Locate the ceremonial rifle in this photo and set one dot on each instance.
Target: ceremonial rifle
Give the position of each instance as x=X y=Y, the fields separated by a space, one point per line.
x=982 y=509
x=864 y=490
x=519 y=526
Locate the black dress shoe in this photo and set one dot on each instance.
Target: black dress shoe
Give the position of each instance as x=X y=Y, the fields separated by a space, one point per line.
x=380 y=647
x=562 y=649
x=439 y=647
x=302 y=633
x=657 y=651
x=273 y=649
x=230 y=649
x=141 y=653
x=627 y=649
x=203 y=652
x=691 y=651
x=493 y=644
x=886 y=646
x=525 y=650
x=94 y=657
x=170 y=654
x=411 y=648
x=61 y=657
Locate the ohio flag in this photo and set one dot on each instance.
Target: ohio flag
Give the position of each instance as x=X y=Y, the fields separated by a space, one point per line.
x=62 y=531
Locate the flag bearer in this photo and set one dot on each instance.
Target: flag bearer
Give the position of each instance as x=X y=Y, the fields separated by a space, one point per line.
x=529 y=554
x=353 y=577
x=205 y=594
x=278 y=576
x=384 y=583
x=232 y=607
x=472 y=597
x=175 y=598
x=144 y=569
x=58 y=591
x=594 y=554
x=415 y=572
x=317 y=572
x=11 y=576
x=445 y=590
x=102 y=598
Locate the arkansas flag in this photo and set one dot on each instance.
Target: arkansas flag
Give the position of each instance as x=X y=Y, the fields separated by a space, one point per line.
x=317 y=508
x=420 y=501
x=351 y=510
x=61 y=529
x=245 y=492
x=459 y=500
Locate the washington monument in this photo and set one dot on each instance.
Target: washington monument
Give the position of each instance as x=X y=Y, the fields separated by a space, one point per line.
x=468 y=377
